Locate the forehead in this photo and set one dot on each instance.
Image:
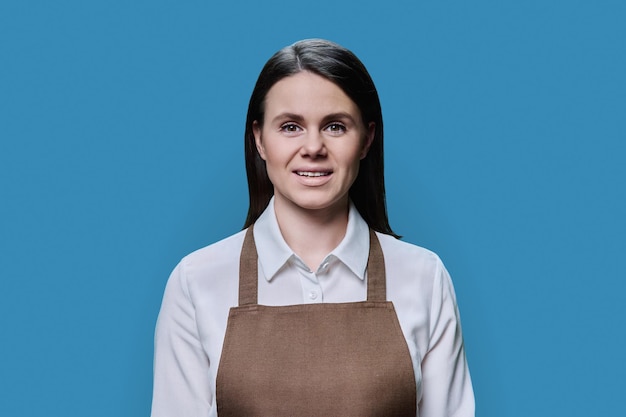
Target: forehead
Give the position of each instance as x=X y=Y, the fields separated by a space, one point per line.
x=307 y=93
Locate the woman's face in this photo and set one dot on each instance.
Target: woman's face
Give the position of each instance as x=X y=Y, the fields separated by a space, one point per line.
x=312 y=140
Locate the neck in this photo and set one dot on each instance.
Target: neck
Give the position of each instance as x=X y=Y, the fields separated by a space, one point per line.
x=312 y=234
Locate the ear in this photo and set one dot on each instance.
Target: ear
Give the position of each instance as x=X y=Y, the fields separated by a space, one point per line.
x=256 y=131
x=369 y=138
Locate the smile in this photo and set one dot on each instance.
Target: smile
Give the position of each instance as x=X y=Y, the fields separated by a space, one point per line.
x=313 y=173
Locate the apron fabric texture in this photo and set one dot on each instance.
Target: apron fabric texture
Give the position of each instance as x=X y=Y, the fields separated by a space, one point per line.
x=329 y=359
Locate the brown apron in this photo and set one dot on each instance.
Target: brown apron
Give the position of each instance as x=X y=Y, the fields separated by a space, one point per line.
x=345 y=359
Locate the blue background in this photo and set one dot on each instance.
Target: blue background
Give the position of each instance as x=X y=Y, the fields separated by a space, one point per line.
x=121 y=127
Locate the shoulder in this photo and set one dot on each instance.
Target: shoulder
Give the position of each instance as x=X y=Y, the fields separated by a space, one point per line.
x=213 y=261
x=201 y=289
x=217 y=250
x=408 y=256
x=413 y=272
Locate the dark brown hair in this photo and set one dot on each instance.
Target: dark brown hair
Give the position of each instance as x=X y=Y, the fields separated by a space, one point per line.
x=342 y=67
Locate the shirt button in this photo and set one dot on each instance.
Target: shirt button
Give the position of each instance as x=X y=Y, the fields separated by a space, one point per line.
x=313 y=295
x=325 y=266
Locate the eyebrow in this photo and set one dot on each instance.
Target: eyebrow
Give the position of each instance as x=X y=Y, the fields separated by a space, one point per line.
x=290 y=116
x=340 y=115
x=299 y=118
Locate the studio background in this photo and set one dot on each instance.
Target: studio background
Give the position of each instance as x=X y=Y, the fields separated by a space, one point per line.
x=121 y=150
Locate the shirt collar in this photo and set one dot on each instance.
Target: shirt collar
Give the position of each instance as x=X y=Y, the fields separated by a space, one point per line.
x=274 y=252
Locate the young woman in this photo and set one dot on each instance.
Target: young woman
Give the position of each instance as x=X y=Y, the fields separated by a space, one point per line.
x=315 y=308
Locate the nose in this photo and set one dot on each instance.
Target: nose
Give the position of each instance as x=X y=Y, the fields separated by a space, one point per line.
x=313 y=145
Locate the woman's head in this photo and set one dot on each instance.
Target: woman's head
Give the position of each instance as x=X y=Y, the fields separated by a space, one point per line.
x=344 y=69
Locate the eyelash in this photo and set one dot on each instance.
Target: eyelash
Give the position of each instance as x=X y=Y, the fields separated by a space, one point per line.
x=286 y=127
x=341 y=127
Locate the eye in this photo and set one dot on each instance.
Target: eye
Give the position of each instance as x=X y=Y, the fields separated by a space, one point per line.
x=290 y=128
x=336 y=128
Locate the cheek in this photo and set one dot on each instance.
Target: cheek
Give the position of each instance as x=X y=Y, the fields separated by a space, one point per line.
x=353 y=156
x=270 y=154
x=275 y=155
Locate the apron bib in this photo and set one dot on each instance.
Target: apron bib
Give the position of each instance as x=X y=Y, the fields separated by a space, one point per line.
x=329 y=359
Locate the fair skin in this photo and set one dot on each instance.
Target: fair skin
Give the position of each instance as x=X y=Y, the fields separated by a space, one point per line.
x=312 y=139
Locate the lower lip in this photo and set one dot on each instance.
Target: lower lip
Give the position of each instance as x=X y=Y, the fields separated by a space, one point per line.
x=313 y=181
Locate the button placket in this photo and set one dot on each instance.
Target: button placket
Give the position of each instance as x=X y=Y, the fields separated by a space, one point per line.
x=311 y=289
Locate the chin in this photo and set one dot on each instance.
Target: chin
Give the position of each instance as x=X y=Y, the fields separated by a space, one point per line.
x=314 y=204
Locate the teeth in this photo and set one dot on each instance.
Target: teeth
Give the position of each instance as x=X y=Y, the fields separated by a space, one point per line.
x=312 y=174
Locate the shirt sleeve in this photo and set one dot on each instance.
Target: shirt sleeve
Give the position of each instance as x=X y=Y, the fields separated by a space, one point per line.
x=447 y=388
x=181 y=366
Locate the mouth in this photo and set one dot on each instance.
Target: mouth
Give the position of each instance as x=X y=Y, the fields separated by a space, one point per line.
x=313 y=173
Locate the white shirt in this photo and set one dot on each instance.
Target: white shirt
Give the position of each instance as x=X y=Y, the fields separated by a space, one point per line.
x=204 y=286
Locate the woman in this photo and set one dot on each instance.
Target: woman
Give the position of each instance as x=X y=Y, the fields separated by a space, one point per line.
x=315 y=308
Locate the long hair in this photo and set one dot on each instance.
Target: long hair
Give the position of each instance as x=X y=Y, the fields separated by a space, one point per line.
x=342 y=67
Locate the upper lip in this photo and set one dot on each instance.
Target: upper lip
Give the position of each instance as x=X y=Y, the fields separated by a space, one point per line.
x=314 y=170
x=310 y=169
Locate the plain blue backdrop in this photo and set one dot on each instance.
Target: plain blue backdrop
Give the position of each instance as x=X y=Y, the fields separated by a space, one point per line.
x=121 y=150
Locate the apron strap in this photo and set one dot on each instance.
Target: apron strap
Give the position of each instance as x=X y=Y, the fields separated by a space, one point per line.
x=376 y=280
x=248 y=271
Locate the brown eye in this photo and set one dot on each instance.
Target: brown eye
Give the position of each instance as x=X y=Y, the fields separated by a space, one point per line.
x=290 y=128
x=336 y=128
